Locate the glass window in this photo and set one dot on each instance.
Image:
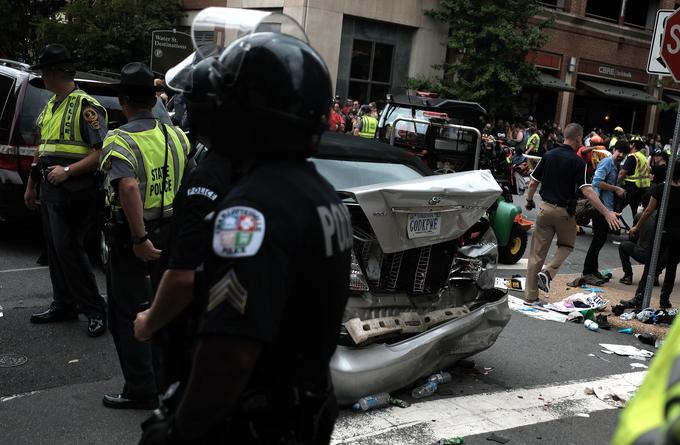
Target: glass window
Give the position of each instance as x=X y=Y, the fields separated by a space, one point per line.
x=636 y=13
x=35 y=100
x=608 y=10
x=382 y=62
x=347 y=174
x=7 y=100
x=361 y=60
x=371 y=71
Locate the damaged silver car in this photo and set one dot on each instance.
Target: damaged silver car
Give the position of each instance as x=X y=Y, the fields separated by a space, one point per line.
x=423 y=267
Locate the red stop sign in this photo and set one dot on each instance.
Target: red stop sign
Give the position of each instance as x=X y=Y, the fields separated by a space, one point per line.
x=670 y=45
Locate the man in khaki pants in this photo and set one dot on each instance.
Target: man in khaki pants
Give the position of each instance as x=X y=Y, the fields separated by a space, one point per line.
x=561 y=174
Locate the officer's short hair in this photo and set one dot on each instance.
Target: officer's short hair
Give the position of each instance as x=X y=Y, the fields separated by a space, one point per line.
x=573 y=131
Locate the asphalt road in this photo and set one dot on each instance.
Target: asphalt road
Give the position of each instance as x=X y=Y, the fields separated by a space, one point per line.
x=60 y=386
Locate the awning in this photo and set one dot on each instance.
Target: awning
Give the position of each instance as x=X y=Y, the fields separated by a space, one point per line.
x=672 y=97
x=618 y=92
x=551 y=83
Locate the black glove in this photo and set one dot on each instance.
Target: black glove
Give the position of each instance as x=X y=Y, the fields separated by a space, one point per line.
x=530 y=204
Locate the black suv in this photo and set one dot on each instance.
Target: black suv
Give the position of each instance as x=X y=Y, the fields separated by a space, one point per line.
x=22 y=98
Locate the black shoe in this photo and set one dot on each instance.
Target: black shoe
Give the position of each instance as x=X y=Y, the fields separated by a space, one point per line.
x=96 y=326
x=42 y=260
x=633 y=303
x=627 y=280
x=602 y=322
x=118 y=401
x=52 y=315
x=656 y=282
x=665 y=303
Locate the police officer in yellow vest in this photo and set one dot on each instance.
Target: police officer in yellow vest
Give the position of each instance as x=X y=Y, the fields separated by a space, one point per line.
x=635 y=174
x=144 y=161
x=72 y=127
x=366 y=125
x=652 y=417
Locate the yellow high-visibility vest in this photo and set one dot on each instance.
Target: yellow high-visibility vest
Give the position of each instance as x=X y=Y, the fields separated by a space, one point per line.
x=145 y=152
x=533 y=143
x=641 y=176
x=369 y=125
x=653 y=410
x=60 y=129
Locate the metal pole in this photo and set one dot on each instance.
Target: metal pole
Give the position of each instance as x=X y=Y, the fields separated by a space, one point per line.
x=649 y=285
x=632 y=124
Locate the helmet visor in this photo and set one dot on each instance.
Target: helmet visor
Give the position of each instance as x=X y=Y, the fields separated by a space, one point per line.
x=214 y=29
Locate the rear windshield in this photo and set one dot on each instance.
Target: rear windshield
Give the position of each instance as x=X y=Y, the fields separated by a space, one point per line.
x=344 y=174
x=36 y=98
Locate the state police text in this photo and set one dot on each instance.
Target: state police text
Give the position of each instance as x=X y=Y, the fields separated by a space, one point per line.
x=157 y=175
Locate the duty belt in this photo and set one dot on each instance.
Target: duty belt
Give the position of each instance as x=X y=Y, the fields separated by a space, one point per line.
x=558 y=204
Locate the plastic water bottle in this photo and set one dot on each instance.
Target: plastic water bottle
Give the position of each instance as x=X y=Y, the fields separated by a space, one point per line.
x=440 y=377
x=590 y=324
x=424 y=391
x=626 y=331
x=372 y=401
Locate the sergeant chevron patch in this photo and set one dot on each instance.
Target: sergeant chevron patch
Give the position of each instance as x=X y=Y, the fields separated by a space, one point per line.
x=228 y=289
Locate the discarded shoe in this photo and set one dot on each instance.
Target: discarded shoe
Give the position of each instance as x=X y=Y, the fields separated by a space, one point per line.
x=602 y=321
x=593 y=280
x=604 y=277
x=627 y=280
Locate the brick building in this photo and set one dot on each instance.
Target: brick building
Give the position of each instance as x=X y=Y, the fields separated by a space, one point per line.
x=594 y=67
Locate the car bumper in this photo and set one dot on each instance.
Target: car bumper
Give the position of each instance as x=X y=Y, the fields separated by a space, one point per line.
x=376 y=368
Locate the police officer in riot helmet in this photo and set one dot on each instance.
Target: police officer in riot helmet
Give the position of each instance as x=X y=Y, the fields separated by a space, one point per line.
x=171 y=319
x=276 y=277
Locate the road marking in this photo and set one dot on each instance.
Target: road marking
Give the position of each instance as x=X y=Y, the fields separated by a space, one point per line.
x=25 y=269
x=17 y=396
x=429 y=421
x=521 y=264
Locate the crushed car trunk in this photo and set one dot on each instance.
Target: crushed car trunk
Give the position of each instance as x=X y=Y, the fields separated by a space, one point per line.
x=423 y=268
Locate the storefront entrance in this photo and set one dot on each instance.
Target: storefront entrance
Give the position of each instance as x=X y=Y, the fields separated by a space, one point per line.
x=597 y=112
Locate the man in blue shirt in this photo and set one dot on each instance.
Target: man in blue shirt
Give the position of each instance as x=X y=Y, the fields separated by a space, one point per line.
x=604 y=185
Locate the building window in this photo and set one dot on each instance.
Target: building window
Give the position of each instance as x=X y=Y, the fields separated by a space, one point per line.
x=370 y=74
x=637 y=14
x=557 y=4
x=609 y=10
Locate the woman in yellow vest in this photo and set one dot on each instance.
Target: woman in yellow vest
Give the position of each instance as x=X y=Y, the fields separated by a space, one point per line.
x=72 y=127
x=144 y=161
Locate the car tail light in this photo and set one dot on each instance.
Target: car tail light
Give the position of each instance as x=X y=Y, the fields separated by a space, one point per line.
x=357 y=281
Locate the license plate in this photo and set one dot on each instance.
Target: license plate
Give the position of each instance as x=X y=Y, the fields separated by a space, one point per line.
x=423 y=224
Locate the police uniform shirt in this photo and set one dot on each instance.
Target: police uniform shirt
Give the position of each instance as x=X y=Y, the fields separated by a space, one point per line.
x=200 y=193
x=119 y=168
x=93 y=131
x=561 y=173
x=278 y=272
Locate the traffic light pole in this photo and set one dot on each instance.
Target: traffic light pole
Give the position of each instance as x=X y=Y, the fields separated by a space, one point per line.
x=658 y=233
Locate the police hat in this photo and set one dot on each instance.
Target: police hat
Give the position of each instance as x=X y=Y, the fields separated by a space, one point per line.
x=136 y=78
x=54 y=56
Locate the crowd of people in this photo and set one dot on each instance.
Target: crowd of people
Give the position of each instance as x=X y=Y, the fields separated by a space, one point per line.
x=354 y=118
x=624 y=171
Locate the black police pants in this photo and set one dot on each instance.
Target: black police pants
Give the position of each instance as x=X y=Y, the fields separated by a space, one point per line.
x=629 y=249
x=66 y=218
x=600 y=232
x=132 y=282
x=669 y=256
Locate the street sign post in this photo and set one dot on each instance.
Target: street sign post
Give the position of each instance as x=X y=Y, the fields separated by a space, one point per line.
x=168 y=48
x=670 y=53
x=655 y=64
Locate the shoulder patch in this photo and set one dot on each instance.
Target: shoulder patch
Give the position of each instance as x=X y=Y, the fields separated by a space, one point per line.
x=239 y=232
x=202 y=191
x=91 y=117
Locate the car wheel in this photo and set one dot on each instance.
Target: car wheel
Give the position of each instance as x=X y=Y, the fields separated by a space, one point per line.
x=517 y=244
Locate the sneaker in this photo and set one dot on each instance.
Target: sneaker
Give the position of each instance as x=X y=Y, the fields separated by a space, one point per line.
x=96 y=326
x=544 y=281
x=602 y=321
x=665 y=303
x=627 y=280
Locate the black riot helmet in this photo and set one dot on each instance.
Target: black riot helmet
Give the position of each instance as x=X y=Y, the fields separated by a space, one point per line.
x=272 y=92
